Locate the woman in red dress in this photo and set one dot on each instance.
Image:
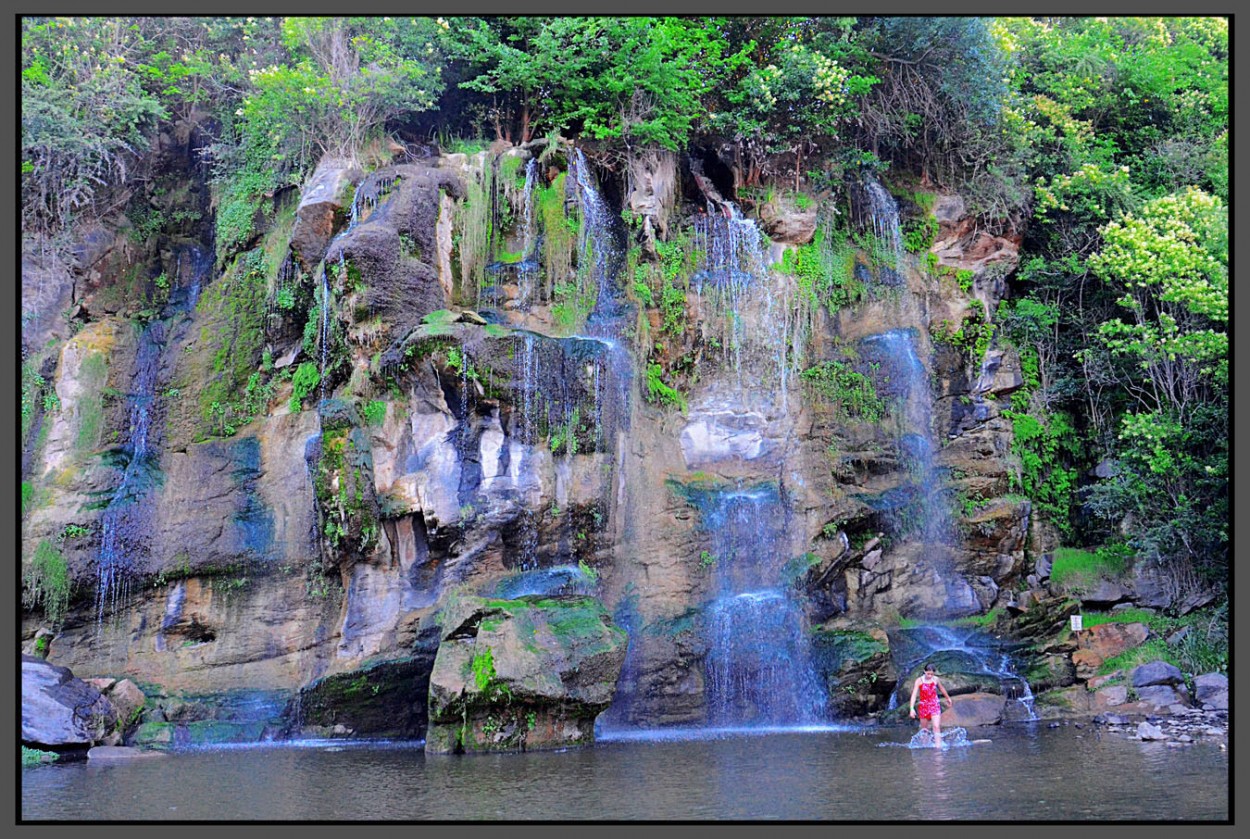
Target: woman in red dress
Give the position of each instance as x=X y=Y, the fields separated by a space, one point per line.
x=927 y=687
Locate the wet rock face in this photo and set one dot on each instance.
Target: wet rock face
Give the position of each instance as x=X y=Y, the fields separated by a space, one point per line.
x=857 y=665
x=531 y=673
x=325 y=200
x=389 y=260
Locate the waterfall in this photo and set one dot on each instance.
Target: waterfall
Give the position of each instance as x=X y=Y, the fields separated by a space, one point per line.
x=122 y=532
x=884 y=212
x=759 y=670
x=760 y=324
x=895 y=352
x=527 y=269
x=600 y=243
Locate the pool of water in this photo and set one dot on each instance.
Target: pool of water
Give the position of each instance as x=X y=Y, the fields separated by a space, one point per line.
x=1026 y=772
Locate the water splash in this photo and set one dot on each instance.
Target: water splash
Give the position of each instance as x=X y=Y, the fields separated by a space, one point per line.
x=952 y=738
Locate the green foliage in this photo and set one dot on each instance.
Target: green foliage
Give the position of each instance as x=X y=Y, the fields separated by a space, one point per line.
x=1203 y=648
x=973 y=337
x=85 y=114
x=1045 y=447
x=34 y=757
x=660 y=393
x=851 y=392
x=1172 y=261
x=706 y=559
x=46 y=583
x=34 y=389
x=589 y=573
x=374 y=412
x=919 y=234
x=825 y=270
x=304 y=382
x=483 y=665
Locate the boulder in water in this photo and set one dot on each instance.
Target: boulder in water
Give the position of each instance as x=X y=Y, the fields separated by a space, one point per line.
x=975 y=709
x=1211 y=691
x=514 y=675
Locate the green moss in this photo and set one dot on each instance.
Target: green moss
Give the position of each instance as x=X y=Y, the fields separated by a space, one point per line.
x=47 y=583
x=851 y=392
x=35 y=757
x=233 y=313
x=483 y=668
x=660 y=393
x=93 y=375
x=559 y=238
x=374 y=412
x=844 y=644
x=304 y=382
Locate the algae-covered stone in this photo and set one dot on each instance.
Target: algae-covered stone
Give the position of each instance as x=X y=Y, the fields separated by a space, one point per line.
x=854 y=657
x=383 y=699
x=530 y=673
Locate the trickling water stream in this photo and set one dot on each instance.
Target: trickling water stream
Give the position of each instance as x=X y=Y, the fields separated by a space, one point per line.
x=123 y=533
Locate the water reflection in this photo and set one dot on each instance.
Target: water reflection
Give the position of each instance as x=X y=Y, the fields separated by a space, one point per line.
x=1026 y=772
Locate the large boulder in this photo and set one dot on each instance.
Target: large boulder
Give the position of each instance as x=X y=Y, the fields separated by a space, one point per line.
x=789 y=217
x=59 y=709
x=1211 y=691
x=1156 y=673
x=325 y=199
x=974 y=709
x=530 y=673
x=854 y=657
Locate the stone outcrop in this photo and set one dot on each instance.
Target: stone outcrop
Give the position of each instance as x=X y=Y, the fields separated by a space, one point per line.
x=1099 y=643
x=326 y=199
x=532 y=673
x=61 y=710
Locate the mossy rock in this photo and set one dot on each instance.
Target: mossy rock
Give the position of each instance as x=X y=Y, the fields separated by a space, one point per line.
x=382 y=699
x=855 y=661
x=528 y=673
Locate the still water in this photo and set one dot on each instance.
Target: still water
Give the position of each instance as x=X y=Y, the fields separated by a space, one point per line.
x=1027 y=772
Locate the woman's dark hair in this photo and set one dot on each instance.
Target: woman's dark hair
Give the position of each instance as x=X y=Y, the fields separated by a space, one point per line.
x=929 y=667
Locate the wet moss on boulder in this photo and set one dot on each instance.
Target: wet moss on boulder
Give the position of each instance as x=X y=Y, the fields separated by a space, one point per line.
x=855 y=662
x=381 y=699
x=530 y=673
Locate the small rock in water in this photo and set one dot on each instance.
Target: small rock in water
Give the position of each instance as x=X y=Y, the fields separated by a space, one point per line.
x=1146 y=731
x=983 y=740
x=1053 y=725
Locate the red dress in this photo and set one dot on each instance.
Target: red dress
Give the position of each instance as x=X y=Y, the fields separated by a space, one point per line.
x=929 y=706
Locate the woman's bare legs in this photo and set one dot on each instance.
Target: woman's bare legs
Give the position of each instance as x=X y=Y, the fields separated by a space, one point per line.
x=936 y=722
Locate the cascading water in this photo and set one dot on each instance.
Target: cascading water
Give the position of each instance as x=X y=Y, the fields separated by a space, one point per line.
x=908 y=381
x=759 y=670
x=974 y=655
x=527 y=270
x=122 y=532
x=883 y=210
x=759 y=318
